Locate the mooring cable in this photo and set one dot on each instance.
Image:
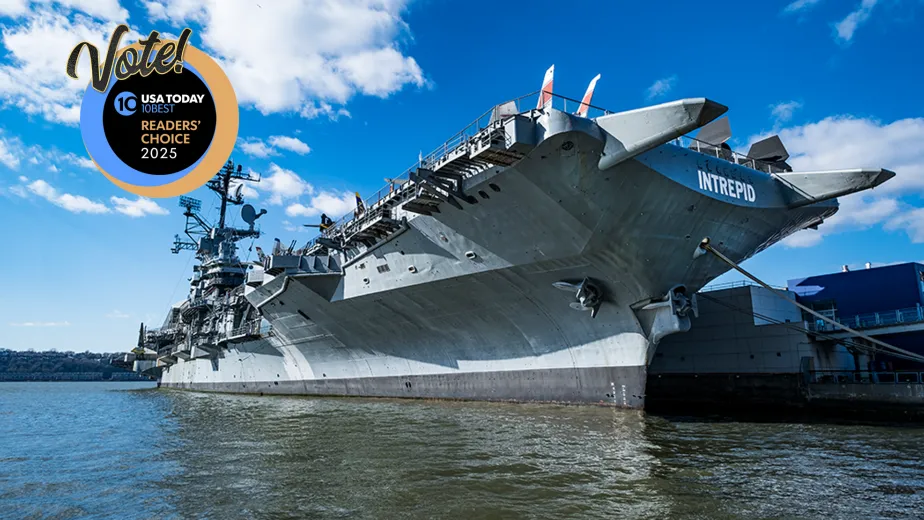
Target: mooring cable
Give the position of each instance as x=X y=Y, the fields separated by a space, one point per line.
x=795 y=327
x=706 y=246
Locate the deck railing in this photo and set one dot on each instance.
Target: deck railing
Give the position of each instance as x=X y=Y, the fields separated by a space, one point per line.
x=400 y=185
x=729 y=155
x=248 y=328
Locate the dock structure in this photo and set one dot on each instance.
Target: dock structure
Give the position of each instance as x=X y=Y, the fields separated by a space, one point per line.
x=748 y=348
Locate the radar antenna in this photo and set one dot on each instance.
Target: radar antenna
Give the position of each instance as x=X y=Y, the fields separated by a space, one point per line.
x=221 y=184
x=196 y=226
x=228 y=183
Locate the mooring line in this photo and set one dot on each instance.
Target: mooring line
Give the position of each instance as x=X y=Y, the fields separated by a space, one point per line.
x=706 y=246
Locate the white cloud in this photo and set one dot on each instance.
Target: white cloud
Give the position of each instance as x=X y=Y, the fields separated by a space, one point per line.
x=782 y=112
x=292 y=228
x=334 y=205
x=846 y=28
x=283 y=184
x=848 y=142
x=343 y=49
x=9 y=152
x=247 y=191
x=804 y=238
x=40 y=324
x=293 y=144
x=74 y=159
x=32 y=72
x=108 y=10
x=912 y=221
x=661 y=87
x=72 y=203
x=117 y=315
x=13 y=152
x=312 y=110
x=137 y=208
x=13 y=8
x=800 y=5
x=256 y=147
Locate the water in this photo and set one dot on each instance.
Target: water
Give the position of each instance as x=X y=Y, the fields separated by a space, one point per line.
x=97 y=450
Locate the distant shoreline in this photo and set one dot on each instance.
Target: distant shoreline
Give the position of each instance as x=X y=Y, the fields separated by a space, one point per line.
x=70 y=377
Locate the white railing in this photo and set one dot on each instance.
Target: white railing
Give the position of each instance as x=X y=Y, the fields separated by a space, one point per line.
x=733 y=285
x=400 y=186
x=873 y=319
x=728 y=155
x=249 y=328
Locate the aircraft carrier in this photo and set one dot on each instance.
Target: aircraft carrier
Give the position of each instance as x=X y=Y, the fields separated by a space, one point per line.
x=538 y=255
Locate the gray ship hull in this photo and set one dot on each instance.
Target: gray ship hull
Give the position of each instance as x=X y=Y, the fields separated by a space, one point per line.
x=612 y=386
x=461 y=304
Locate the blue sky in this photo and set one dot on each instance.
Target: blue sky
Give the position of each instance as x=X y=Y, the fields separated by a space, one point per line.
x=335 y=96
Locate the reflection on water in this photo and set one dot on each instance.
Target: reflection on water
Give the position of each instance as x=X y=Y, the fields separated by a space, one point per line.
x=70 y=450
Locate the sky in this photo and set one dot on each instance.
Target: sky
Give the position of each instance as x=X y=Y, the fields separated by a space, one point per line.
x=336 y=96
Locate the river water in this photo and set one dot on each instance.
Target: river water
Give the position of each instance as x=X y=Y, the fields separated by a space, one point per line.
x=114 y=450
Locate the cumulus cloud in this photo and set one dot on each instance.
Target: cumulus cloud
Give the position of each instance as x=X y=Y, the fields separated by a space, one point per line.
x=912 y=222
x=846 y=28
x=282 y=184
x=292 y=144
x=246 y=190
x=848 y=142
x=344 y=49
x=256 y=147
x=138 y=207
x=661 y=87
x=72 y=203
x=334 y=205
x=32 y=78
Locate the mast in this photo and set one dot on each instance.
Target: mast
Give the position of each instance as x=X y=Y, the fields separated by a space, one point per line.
x=221 y=184
x=226 y=183
x=197 y=228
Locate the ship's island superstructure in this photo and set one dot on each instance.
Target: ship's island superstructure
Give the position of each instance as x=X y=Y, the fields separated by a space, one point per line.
x=539 y=255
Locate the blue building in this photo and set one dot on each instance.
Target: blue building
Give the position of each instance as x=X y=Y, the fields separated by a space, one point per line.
x=887 y=302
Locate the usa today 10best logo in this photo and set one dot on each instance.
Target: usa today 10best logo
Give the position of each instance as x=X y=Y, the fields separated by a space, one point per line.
x=159 y=117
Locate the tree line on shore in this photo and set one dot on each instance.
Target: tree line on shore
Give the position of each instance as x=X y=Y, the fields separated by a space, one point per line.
x=52 y=361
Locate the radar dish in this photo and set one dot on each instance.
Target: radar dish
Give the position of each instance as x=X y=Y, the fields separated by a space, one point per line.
x=248 y=214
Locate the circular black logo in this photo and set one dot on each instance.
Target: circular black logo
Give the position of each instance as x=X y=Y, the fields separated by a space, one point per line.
x=159 y=124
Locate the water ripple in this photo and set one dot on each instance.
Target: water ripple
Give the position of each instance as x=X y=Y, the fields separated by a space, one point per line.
x=90 y=450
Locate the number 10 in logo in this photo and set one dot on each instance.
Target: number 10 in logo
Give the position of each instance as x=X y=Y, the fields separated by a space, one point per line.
x=126 y=103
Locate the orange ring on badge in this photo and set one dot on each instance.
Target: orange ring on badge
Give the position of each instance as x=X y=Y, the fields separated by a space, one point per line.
x=227 y=120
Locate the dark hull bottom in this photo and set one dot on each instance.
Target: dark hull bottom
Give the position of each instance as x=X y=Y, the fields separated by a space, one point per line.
x=622 y=387
x=784 y=396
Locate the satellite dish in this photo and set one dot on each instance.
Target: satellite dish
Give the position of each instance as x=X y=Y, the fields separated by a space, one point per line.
x=237 y=190
x=248 y=214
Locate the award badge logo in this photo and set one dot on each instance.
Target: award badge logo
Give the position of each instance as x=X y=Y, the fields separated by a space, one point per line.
x=159 y=117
